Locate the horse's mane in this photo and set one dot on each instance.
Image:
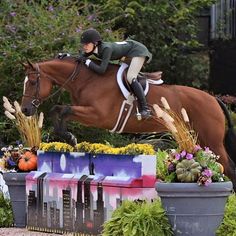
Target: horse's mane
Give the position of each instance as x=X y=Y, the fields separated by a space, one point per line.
x=73 y=59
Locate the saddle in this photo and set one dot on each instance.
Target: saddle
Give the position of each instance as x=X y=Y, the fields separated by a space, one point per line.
x=142 y=79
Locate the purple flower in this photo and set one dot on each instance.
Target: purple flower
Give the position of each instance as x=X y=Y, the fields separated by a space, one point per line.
x=171 y=167
x=208 y=181
x=177 y=156
x=11 y=163
x=78 y=29
x=207 y=149
x=207 y=173
x=12 y=13
x=189 y=156
x=50 y=8
x=90 y=18
x=183 y=153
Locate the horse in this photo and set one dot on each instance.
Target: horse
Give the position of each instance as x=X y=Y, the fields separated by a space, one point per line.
x=97 y=99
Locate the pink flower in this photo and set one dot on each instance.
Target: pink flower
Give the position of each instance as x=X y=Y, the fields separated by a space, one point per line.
x=207 y=173
x=183 y=153
x=197 y=148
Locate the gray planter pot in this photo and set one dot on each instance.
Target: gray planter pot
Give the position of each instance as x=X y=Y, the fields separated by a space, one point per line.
x=17 y=190
x=194 y=210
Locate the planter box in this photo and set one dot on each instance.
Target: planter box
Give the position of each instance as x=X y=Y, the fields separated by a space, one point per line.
x=142 y=167
x=77 y=192
x=194 y=210
x=62 y=203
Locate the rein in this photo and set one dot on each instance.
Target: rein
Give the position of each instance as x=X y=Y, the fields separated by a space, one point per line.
x=36 y=100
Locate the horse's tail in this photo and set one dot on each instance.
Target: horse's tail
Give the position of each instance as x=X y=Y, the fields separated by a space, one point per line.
x=230 y=136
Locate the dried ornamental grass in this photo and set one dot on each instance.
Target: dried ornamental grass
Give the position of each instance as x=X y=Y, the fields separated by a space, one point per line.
x=29 y=127
x=179 y=127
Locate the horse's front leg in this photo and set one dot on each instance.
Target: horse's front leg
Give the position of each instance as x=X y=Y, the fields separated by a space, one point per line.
x=59 y=115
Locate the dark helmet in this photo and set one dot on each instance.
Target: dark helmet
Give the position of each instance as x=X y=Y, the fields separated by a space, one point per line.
x=90 y=36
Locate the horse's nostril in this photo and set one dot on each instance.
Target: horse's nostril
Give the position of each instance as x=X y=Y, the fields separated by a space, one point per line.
x=24 y=110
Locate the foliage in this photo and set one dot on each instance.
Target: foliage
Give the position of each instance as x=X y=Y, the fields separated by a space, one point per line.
x=25 y=27
x=228 y=225
x=39 y=30
x=6 y=215
x=169 y=29
x=96 y=135
x=138 y=219
x=95 y=148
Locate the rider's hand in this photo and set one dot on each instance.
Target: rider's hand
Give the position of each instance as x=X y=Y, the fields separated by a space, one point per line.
x=82 y=58
x=62 y=55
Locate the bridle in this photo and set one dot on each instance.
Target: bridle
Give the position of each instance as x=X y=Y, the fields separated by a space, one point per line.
x=36 y=101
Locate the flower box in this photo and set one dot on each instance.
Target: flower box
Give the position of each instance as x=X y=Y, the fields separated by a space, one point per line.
x=142 y=167
x=78 y=192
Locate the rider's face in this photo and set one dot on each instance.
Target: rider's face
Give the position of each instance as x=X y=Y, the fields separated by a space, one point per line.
x=88 y=47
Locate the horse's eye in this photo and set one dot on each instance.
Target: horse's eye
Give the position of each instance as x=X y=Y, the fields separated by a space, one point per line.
x=32 y=82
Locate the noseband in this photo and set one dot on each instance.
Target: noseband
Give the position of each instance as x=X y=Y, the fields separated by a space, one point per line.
x=36 y=100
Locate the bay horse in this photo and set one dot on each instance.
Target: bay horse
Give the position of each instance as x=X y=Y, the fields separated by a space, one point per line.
x=96 y=101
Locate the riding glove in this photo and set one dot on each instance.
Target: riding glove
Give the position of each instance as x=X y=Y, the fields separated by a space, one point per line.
x=62 y=55
x=82 y=58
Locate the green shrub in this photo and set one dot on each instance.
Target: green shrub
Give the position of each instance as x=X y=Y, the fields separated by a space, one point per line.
x=39 y=30
x=228 y=226
x=6 y=215
x=138 y=219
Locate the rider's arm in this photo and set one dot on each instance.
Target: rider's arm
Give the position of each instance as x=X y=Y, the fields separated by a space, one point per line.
x=100 y=69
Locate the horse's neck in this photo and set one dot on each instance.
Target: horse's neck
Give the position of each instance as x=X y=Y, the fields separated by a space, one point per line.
x=58 y=71
x=61 y=72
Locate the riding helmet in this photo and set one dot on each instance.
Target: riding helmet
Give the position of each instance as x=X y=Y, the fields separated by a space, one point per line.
x=90 y=36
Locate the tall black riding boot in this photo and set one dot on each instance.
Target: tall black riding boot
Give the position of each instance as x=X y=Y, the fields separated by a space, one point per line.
x=138 y=92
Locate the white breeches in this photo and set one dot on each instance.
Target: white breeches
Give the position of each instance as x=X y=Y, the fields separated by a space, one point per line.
x=135 y=66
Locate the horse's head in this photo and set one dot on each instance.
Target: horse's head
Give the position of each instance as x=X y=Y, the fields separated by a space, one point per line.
x=36 y=87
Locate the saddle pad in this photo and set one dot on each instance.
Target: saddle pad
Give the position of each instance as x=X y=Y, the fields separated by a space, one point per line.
x=122 y=87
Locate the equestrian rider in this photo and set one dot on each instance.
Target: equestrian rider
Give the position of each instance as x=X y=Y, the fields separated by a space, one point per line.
x=106 y=51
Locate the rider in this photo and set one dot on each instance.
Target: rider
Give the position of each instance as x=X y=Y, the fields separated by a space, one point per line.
x=106 y=51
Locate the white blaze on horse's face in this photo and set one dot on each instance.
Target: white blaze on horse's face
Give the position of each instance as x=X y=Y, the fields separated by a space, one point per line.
x=26 y=80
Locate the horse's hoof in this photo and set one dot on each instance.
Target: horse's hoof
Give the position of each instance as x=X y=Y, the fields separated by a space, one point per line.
x=71 y=139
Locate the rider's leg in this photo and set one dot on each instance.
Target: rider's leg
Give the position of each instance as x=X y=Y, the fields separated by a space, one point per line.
x=134 y=68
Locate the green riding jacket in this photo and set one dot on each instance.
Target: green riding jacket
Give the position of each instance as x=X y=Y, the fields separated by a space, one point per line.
x=108 y=51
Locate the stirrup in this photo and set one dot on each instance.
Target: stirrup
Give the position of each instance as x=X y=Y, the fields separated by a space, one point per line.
x=145 y=114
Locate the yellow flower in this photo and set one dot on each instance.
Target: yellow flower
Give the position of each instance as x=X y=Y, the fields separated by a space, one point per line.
x=96 y=148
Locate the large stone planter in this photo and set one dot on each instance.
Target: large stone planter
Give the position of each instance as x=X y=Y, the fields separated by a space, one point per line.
x=17 y=189
x=194 y=210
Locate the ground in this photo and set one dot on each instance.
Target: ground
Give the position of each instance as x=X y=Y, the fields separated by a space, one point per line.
x=24 y=232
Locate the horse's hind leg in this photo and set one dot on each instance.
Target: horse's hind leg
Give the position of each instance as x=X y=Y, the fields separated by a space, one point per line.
x=58 y=115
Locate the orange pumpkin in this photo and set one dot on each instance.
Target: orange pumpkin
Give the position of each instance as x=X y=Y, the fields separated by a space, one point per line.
x=28 y=161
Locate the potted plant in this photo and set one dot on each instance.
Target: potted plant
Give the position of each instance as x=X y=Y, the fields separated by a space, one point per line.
x=15 y=164
x=191 y=183
x=141 y=218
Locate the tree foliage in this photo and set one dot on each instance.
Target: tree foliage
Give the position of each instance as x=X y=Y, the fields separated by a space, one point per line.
x=39 y=29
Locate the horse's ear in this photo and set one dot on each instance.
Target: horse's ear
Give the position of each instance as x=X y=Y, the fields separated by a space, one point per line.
x=30 y=64
x=24 y=65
